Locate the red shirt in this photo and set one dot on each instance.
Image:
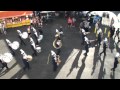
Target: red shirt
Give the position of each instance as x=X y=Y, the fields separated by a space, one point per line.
x=69 y=20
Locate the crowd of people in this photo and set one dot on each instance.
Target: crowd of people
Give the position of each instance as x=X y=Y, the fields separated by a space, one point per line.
x=84 y=27
x=37 y=34
x=100 y=38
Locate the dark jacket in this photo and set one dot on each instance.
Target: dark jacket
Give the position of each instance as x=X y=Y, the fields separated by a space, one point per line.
x=104 y=46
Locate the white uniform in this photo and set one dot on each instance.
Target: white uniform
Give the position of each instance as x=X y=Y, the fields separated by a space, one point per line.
x=24 y=54
x=32 y=42
x=35 y=32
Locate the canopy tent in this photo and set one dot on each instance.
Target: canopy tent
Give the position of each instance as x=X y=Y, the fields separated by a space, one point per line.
x=9 y=14
x=47 y=11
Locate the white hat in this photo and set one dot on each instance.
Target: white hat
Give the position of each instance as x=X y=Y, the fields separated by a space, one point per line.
x=117 y=54
x=57 y=30
x=83 y=30
x=86 y=39
x=22 y=52
x=53 y=53
x=8 y=41
x=105 y=39
x=19 y=31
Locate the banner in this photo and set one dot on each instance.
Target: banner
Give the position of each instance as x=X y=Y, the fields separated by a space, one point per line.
x=18 y=24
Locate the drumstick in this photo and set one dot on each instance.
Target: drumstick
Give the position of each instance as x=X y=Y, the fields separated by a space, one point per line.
x=48 y=59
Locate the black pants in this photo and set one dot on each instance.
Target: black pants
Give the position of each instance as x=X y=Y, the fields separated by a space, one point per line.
x=29 y=34
x=58 y=51
x=115 y=65
x=104 y=51
x=117 y=36
x=34 y=51
x=54 y=65
x=4 y=64
x=83 y=40
x=12 y=51
x=26 y=64
x=86 y=52
x=111 y=35
x=36 y=38
x=99 y=42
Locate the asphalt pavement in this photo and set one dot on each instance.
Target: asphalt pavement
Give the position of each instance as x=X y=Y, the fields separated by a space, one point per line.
x=74 y=64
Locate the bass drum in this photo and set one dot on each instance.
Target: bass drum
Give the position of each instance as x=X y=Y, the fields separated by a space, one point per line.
x=15 y=45
x=7 y=57
x=24 y=35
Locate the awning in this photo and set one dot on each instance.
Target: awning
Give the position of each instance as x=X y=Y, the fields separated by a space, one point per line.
x=9 y=14
x=47 y=11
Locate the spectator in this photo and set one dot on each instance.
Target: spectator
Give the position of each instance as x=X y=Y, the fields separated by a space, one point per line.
x=70 y=22
x=115 y=62
x=112 y=30
x=104 y=47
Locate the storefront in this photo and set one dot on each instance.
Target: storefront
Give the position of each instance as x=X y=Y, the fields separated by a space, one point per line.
x=15 y=18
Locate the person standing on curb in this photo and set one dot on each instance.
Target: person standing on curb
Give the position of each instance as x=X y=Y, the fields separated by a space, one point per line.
x=115 y=62
x=104 y=47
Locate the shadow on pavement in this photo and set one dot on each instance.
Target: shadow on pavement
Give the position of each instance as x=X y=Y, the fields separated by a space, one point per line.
x=6 y=71
x=81 y=68
x=112 y=75
x=111 y=46
x=102 y=71
x=18 y=75
x=75 y=63
x=96 y=58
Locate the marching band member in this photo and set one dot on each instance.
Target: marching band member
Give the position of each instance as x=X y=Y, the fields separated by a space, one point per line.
x=58 y=43
x=20 y=37
x=55 y=59
x=40 y=37
x=112 y=30
x=33 y=46
x=104 y=47
x=99 y=38
x=28 y=30
x=38 y=48
x=35 y=34
x=40 y=28
x=5 y=58
x=116 y=61
x=53 y=54
x=10 y=47
x=25 y=60
x=61 y=30
x=86 y=45
x=86 y=25
x=83 y=35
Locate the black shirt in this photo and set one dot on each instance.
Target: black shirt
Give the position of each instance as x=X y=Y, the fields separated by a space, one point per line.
x=104 y=46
